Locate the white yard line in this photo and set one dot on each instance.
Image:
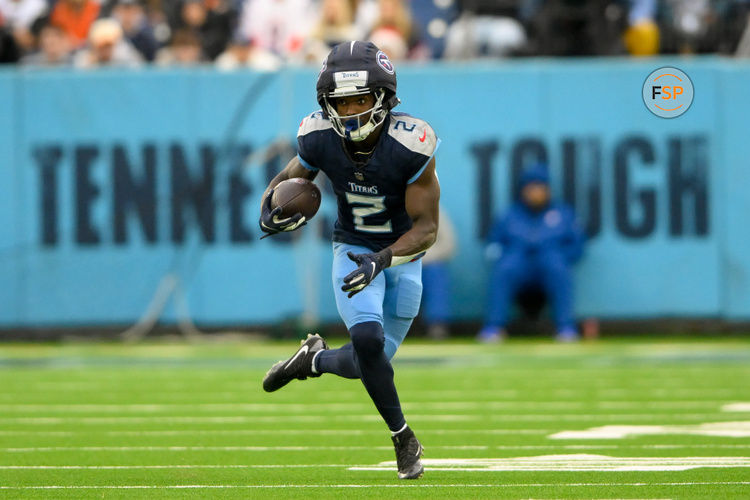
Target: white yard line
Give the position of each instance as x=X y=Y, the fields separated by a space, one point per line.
x=161 y=392
x=545 y=417
x=176 y=466
x=413 y=485
x=255 y=432
x=173 y=407
x=369 y=417
x=682 y=446
x=570 y=463
x=188 y=448
x=738 y=407
x=37 y=449
x=305 y=408
x=228 y=419
x=739 y=429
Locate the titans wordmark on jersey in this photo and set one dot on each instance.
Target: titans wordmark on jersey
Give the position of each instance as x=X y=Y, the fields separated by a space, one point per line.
x=371 y=195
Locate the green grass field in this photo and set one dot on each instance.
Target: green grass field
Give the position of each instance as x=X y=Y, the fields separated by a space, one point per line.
x=665 y=418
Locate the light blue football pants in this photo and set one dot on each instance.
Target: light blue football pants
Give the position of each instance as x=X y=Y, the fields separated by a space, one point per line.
x=392 y=299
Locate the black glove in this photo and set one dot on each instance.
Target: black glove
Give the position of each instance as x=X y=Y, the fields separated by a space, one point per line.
x=270 y=222
x=370 y=264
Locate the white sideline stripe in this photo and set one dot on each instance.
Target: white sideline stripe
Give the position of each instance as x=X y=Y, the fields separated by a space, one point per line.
x=511 y=417
x=241 y=419
x=220 y=448
x=117 y=408
x=167 y=386
x=162 y=392
x=681 y=446
x=178 y=466
x=415 y=485
x=343 y=448
x=578 y=462
x=738 y=407
x=255 y=432
x=717 y=429
x=442 y=406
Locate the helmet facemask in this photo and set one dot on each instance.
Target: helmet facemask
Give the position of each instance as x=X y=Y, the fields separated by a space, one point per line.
x=351 y=127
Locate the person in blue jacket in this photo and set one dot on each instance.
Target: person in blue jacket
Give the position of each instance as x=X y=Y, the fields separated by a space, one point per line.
x=533 y=245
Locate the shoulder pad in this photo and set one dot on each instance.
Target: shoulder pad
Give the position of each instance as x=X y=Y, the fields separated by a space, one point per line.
x=415 y=134
x=313 y=123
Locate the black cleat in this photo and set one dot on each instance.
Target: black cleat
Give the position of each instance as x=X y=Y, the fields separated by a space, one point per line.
x=298 y=366
x=408 y=453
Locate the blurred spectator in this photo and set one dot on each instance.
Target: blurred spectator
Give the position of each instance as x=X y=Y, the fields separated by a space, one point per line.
x=533 y=246
x=434 y=17
x=17 y=18
x=160 y=15
x=641 y=10
x=281 y=31
x=436 y=286
x=107 y=47
x=135 y=25
x=54 y=48
x=75 y=18
x=577 y=27
x=192 y=14
x=743 y=47
x=690 y=26
x=9 y=51
x=278 y=26
x=391 y=42
x=365 y=15
x=486 y=28
x=703 y=26
x=335 y=25
x=642 y=38
x=395 y=33
x=733 y=17
x=183 y=50
x=212 y=20
x=241 y=53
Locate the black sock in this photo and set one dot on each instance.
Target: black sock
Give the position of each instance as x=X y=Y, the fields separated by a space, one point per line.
x=368 y=340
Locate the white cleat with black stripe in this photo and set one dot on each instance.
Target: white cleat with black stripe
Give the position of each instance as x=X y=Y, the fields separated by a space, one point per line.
x=298 y=366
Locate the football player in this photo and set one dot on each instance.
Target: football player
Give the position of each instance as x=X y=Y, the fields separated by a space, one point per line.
x=382 y=168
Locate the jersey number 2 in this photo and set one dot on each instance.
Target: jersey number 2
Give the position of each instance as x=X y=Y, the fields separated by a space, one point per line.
x=367 y=205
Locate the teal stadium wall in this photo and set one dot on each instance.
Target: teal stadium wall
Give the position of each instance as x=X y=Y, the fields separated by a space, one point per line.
x=111 y=179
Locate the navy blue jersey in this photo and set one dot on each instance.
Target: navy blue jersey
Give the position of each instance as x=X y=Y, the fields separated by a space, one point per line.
x=371 y=195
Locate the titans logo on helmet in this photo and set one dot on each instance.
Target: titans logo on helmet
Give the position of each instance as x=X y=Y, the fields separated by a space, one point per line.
x=384 y=62
x=323 y=68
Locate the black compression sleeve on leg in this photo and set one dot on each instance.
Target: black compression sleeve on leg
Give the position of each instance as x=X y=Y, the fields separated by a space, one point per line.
x=376 y=372
x=341 y=362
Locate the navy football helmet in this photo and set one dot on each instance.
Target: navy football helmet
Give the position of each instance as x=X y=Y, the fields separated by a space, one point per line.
x=357 y=68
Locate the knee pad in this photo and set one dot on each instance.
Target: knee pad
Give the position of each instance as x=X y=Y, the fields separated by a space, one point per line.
x=368 y=339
